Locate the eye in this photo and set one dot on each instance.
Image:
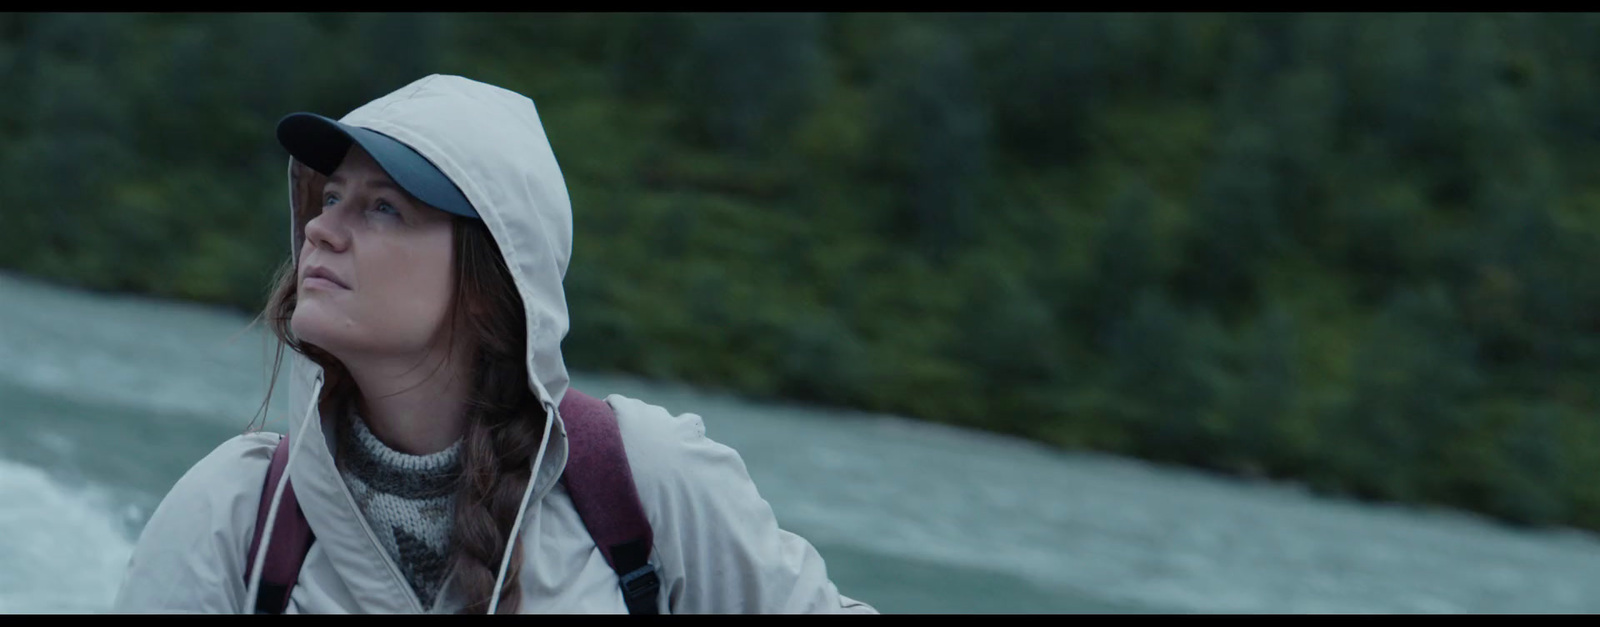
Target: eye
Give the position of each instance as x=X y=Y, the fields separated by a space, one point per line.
x=329 y=198
x=384 y=207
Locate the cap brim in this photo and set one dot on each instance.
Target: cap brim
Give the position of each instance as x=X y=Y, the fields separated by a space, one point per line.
x=321 y=143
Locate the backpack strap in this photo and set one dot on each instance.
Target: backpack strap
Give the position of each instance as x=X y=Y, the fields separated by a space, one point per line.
x=291 y=539
x=600 y=483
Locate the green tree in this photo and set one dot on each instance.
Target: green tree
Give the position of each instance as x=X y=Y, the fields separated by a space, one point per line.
x=1413 y=384
x=932 y=140
x=1165 y=369
x=1238 y=224
x=1129 y=258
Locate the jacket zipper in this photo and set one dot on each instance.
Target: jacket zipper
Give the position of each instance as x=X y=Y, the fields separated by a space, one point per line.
x=394 y=569
x=350 y=500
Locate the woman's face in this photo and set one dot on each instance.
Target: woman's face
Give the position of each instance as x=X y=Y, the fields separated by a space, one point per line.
x=387 y=259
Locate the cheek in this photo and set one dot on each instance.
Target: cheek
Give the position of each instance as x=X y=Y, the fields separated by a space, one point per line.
x=412 y=290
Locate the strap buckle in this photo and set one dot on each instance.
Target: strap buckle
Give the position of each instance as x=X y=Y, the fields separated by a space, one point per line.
x=639 y=590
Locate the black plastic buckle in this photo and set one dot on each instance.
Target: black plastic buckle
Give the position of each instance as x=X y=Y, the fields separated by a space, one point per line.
x=639 y=590
x=272 y=598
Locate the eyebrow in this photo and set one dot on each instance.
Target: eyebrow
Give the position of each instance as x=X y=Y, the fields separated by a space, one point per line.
x=371 y=183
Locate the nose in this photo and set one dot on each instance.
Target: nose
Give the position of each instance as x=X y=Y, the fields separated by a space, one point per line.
x=324 y=231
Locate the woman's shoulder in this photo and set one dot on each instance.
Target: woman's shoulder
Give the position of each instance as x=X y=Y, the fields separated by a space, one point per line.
x=656 y=439
x=241 y=456
x=671 y=456
x=190 y=555
x=720 y=547
x=226 y=483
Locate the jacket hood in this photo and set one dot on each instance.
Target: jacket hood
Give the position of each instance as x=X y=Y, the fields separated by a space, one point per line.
x=492 y=145
x=490 y=142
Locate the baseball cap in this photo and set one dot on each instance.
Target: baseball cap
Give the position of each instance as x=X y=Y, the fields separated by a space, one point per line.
x=321 y=143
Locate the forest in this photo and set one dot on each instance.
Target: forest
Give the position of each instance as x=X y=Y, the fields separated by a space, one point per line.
x=1346 y=250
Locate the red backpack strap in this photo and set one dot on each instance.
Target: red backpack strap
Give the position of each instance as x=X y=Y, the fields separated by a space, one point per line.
x=600 y=482
x=291 y=539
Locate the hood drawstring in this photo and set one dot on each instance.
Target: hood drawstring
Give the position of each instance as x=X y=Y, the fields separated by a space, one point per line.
x=516 y=526
x=277 y=496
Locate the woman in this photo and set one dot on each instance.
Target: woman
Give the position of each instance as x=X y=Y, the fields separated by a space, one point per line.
x=424 y=308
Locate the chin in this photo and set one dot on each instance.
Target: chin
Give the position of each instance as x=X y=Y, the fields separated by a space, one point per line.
x=340 y=335
x=311 y=325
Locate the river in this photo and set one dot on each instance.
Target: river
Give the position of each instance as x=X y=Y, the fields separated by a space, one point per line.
x=106 y=400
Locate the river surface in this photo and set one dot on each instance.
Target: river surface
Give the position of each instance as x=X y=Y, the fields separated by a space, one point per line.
x=106 y=400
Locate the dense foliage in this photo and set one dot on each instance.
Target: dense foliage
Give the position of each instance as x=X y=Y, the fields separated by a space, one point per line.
x=1350 y=249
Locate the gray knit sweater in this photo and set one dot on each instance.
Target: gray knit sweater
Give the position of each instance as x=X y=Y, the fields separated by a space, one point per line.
x=408 y=500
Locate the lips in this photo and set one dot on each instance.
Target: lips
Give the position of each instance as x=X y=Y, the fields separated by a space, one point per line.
x=319 y=272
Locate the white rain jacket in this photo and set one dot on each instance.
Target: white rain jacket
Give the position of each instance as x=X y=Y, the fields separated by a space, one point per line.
x=718 y=548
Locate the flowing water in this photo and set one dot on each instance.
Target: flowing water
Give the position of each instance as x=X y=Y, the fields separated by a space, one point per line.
x=106 y=400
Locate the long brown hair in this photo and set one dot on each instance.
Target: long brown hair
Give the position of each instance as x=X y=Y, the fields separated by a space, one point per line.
x=505 y=420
